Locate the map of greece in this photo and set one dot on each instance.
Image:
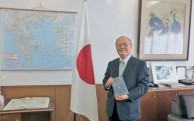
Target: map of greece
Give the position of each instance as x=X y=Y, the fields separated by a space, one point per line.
x=37 y=40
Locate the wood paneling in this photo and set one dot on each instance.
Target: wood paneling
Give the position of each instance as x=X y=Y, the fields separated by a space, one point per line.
x=101 y=97
x=30 y=91
x=60 y=96
x=155 y=104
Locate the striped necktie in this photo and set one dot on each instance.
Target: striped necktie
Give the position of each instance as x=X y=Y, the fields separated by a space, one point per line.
x=121 y=67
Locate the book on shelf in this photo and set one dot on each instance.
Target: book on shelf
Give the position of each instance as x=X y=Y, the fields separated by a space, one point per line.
x=119 y=86
x=27 y=103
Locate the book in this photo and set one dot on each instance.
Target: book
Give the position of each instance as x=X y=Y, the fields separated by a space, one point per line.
x=27 y=103
x=119 y=86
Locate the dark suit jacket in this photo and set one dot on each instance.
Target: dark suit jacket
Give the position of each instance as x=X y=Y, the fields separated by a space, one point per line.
x=136 y=78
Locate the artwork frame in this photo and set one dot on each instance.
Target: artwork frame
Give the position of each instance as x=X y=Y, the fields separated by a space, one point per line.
x=181 y=72
x=164 y=72
x=160 y=38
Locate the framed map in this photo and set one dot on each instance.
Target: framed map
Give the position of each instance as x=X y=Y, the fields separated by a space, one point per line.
x=37 y=40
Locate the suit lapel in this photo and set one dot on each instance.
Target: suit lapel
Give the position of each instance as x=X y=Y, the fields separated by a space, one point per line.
x=129 y=66
x=116 y=68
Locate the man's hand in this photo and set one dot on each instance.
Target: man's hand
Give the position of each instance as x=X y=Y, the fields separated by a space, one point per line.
x=109 y=82
x=122 y=97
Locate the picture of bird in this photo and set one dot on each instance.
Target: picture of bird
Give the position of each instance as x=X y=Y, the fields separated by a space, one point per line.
x=158 y=27
x=176 y=37
x=164 y=28
x=175 y=27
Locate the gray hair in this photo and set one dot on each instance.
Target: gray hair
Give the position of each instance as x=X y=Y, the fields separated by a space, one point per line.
x=124 y=37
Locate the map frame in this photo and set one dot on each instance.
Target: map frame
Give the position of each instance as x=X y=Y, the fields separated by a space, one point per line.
x=11 y=56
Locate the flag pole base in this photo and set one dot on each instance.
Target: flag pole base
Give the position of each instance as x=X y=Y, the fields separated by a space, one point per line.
x=74 y=117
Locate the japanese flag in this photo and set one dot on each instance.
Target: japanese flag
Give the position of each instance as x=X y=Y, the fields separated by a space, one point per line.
x=83 y=90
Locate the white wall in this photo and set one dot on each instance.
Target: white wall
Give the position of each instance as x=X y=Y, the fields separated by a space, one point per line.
x=108 y=19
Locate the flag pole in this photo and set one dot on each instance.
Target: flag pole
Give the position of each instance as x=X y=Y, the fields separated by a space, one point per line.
x=74 y=117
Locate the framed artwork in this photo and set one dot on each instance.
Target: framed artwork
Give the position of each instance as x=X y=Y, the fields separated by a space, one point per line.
x=181 y=72
x=190 y=72
x=164 y=72
x=192 y=78
x=164 y=29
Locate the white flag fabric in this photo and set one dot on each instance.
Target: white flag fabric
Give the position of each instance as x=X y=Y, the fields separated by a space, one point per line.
x=83 y=90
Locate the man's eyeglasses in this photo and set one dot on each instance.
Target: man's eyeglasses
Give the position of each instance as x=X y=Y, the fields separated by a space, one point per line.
x=120 y=45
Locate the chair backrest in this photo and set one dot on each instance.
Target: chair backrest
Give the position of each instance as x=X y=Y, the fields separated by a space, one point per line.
x=183 y=106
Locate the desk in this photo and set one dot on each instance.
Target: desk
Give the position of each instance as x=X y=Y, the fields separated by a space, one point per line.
x=27 y=114
x=156 y=104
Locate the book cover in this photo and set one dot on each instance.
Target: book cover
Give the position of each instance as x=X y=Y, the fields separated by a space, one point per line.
x=27 y=103
x=119 y=86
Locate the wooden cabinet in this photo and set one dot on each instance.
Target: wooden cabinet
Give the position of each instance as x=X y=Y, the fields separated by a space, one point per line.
x=10 y=117
x=42 y=114
x=186 y=91
x=29 y=115
x=149 y=106
x=36 y=116
x=163 y=100
x=156 y=104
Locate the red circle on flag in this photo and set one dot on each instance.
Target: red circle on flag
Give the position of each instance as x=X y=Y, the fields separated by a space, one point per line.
x=85 y=66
